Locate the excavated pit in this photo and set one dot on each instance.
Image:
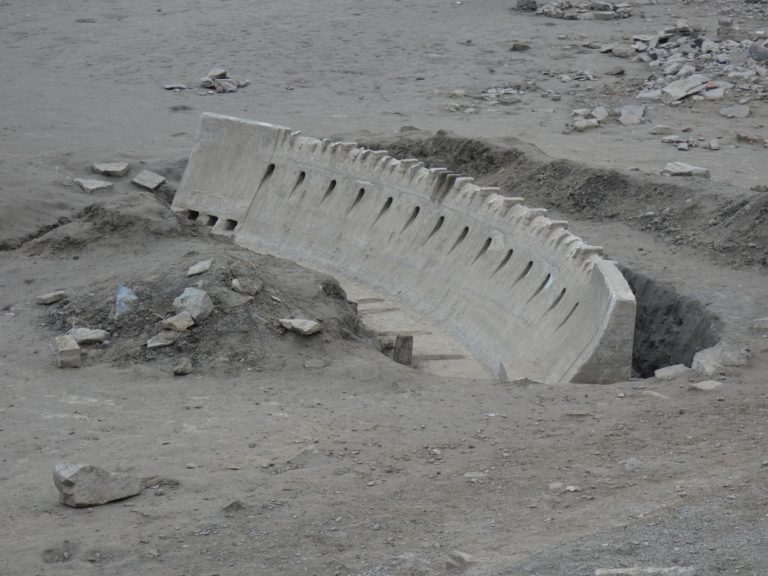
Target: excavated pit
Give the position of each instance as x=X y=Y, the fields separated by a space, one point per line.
x=669 y=327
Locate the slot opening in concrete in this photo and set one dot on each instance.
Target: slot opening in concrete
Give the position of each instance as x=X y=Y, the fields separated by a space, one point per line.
x=212 y=221
x=460 y=239
x=192 y=215
x=230 y=225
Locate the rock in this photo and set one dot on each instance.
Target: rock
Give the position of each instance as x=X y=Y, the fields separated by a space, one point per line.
x=225 y=86
x=600 y=113
x=218 y=73
x=758 y=53
x=163 y=339
x=762 y=188
x=705 y=386
x=458 y=560
x=682 y=169
x=760 y=324
x=81 y=486
x=88 y=336
x=528 y=5
x=519 y=47
x=711 y=361
x=91 y=185
x=301 y=326
x=683 y=146
x=200 y=267
x=738 y=111
x=196 y=302
x=679 y=89
x=633 y=465
x=180 y=322
x=601 y=5
x=583 y=124
x=558 y=487
x=603 y=15
x=615 y=71
x=51 y=297
x=672 y=139
x=631 y=114
x=661 y=130
x=148 y=180
x=247 y=287
x=67 y=352
x=572 y=489
x=234 y=506
x=637 y=571
x=403 y=350
x=714 y=144
x=672 y=372
x=175 y=86
x=649 y=95
x=228 y=300
x=125 y=301
x=183 y=368
x=623 y=51
x=111 y=168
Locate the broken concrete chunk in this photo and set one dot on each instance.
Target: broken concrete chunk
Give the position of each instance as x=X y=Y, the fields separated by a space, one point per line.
x=88 y=336
x=738 y=111
x=403 y=350
x=148 y=180
x=111 y=168
x=247 y=287
x=631 y=114
x=529 y=5
x=196 y=302
x=683 y=169
x=705 y=386
x=176 y=86
x=672 y=372
x=67 y=352
x=81 y=486
x=200 y=267
x=183 y=368
x=91 y=185
x=180 y=322
x=163 y=339
x=218 y=73
x=301 y=325
x=51 y=297
x=714 y=144
x=125 y=301
x=679 y=89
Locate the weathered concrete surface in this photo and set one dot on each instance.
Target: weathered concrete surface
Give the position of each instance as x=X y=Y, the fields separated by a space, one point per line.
x=515 y=287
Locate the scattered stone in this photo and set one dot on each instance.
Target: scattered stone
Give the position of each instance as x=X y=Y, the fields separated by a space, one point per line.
x=163 y=339
x=760 y=325
x=672 y=372
x=183 y=368
x=301 y=326
x=180 y=322
x=679 y=89
x=458 y=560
x=51 y=297
x=148 y=180
x=705 y=386
x=528 y=5
x=247 y=287
x=81 y=486
x=234 y=506
x=228 y=300
x=176 y=86
x=661 y=130
x=196 y=302
x=762 y=188
x=600 y=113
x=683 y=146
x=403 y=350
x=637 y=571
x=125 y=301
x=623 y=51
x=633 y=465
x=583 y=124
x=88 y=336
x=615 y=71
x=758 y=53
x=714 y=144
x=200 y=268
x=711 y=361
x=738 y=111
x=67 y=352
x=572 y=489
x=558 y=487
x=682 y=169
x=519 y=47
x=114 y=169
x=91 y=185
x=649 y=95
x=631 y=114
x=218 y=73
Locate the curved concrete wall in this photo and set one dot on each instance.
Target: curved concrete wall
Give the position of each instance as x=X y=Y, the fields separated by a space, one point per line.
x=527 y=297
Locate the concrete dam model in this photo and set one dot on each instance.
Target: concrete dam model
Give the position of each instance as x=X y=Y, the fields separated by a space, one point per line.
x=524 y=295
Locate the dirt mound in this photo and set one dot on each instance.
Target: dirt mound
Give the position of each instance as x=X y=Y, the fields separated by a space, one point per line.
x=727 y=225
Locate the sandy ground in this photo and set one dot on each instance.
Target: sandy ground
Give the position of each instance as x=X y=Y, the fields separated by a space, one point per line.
x=344 y=462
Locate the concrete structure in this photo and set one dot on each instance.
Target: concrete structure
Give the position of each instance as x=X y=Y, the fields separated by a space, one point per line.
x=527 y=297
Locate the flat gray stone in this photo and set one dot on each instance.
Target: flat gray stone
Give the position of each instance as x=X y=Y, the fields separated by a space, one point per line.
x=228 y=300
x=175 y=86
x=683 y=169
x=661 y=130
x=738 y=111
x=679 y=89
x=111 y=168
x=247 y=287
x=81 y=485
x=672 y=372
x=183 y=368
x=301 y=326
x=51 y=297
x=88 y=336
x=67 y=352
x=403 y=350
x=631 y=114
x=180 y=322
x=218 y=73
x=649 y=95
x=196 y=302
x=163 y=339
x=200 y=268
x=760 y=324
x=91 y=185
x=148 y=180
x=705 y=386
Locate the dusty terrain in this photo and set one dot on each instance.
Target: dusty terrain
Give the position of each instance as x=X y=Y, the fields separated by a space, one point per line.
x=343 y=462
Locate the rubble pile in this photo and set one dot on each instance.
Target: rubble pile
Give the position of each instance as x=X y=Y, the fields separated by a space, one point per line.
x=592 y=10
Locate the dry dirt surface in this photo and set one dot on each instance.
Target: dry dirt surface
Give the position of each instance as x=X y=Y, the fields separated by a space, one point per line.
x=283 y=454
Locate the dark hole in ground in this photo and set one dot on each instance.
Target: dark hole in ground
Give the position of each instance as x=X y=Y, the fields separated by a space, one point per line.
x=669 y=328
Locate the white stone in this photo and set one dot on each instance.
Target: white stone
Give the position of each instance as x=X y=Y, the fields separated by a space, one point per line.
x=51 y=297
x=600 y=113
x=714 y=144
x=710 y=361
x=163 y=339
x=111 y=168
x=683 y=169
x=632 y=114
x=300 y=325
x=200 y=267
x=196 y=302
x=148 y=180
x=88 y=336
x=180 y=322
x=80 y=485
x=91 y=185
x=705 y=386
x=67 y=352
x=672 y=372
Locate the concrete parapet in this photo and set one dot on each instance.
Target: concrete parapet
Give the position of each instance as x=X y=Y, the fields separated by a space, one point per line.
x=526 y=296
